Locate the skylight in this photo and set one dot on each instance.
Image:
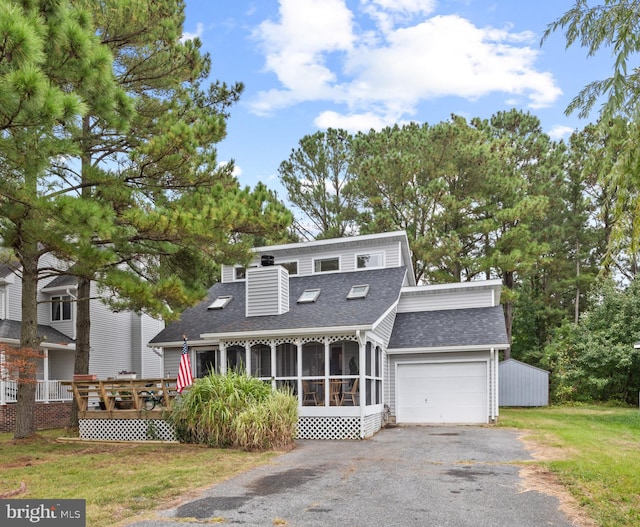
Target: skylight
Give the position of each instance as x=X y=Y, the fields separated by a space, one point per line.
x=358 y=291
x=220 y=302
x=309 y=295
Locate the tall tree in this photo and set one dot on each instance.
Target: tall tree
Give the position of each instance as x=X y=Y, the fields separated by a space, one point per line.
x=612 y=25
x=51 y=64
x=319 y=182
x=153 y=177
x=521 y=189
x=425 y=180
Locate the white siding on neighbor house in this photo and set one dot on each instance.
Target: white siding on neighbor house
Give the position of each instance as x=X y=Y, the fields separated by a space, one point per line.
x=393 y=360
x=522 y=384
x=151 y=358
x=171 y=362
x=61 y=364
x=267 y=291
x=110 y=341
x=3 y=302
x=437 y=301
x=14 y=300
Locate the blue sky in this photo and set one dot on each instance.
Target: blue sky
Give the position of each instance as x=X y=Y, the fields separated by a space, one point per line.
x=359 y=64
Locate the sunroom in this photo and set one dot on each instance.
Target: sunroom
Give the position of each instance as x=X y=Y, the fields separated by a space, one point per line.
x=337 y=378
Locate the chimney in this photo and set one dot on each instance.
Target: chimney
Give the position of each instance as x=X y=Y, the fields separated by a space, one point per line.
x=266 y=260
x=267 y=289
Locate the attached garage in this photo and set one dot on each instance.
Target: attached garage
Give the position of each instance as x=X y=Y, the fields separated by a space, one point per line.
x=442 y=365
x=442 y=392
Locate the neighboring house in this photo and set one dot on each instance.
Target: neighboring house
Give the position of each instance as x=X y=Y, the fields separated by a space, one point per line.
x=118 y=340
x=343 y=324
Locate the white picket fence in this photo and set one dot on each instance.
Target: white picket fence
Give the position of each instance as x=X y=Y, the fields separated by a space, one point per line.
x=46 y=392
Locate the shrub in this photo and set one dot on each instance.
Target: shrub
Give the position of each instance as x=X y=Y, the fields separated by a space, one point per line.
x=235 y=410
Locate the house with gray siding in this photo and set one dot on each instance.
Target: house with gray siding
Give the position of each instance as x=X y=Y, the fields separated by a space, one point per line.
x=343 y=324
x=119 y=341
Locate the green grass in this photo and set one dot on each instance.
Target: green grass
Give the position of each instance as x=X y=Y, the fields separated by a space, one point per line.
x=600 y=456
x=118 y=481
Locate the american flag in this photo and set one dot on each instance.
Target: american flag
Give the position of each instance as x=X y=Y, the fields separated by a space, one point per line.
x=184 y=371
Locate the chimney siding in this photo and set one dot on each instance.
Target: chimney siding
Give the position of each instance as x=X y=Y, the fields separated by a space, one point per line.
x=267 y=291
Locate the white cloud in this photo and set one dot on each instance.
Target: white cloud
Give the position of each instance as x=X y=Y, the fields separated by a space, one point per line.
x=322 y=51
x=237 y=171
x=361 y=122
x=190 y=36
x=560 y=132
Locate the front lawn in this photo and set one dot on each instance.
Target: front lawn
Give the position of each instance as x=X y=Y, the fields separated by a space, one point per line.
x=118 y=481
x=596 y=455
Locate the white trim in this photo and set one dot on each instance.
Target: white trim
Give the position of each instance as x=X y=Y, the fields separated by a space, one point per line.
x=333 y=241
x=283 y=333
x=486 y=360
x=439 y=349
x=477 y=284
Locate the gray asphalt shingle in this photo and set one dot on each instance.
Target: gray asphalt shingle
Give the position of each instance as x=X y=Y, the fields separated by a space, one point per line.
x=10 y=329
x=330 y=310
x=452 y=327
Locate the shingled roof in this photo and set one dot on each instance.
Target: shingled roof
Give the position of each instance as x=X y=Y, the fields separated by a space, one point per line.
x=331 y=309
x=10 y=329
x=482 y=326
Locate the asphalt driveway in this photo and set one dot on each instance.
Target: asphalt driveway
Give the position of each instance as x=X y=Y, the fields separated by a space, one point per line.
x=403 y=476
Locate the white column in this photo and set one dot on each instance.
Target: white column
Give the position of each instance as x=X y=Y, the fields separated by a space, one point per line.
x=223 y=358
x=272 y=344
x=299 y=372
x=46 y=375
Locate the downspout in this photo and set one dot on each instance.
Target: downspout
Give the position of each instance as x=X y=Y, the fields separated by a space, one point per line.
x=493 y=387
x=363 y=386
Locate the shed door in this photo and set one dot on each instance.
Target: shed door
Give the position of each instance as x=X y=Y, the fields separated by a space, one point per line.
x=446 y=392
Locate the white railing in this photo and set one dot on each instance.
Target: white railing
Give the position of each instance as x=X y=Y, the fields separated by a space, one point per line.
x=46 y=392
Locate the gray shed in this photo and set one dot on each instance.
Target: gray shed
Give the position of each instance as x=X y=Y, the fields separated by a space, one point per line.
x=521 y=384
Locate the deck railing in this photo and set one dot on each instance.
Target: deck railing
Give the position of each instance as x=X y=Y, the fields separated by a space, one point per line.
x=46 y=392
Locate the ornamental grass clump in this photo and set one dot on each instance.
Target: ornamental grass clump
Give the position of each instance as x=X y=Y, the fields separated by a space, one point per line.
x=237 y=411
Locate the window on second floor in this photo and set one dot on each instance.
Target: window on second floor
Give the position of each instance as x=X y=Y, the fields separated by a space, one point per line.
x=61 y=307
x=369 y=260
x=292 y=267
x=326 y=265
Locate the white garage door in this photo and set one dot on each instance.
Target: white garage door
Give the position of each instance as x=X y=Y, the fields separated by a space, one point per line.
x=447 y=392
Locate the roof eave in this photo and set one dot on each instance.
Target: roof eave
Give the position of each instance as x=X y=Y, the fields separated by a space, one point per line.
x=291 y=332
x=440 y=349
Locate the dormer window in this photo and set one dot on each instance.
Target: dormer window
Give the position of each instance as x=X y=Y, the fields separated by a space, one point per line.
x=61 y=308
x=220 y=302
x=309 y=296
x=239 y=273
x=358 y=291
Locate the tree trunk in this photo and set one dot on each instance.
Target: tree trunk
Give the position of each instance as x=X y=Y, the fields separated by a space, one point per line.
x=83 y=338
x=508 y=311
x=29 y=346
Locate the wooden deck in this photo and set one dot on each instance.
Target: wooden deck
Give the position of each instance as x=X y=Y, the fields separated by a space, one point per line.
x=122 y=398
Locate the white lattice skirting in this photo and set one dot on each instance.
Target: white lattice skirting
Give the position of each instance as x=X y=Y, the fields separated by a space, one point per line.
x=127 y=430
x=338 y=428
